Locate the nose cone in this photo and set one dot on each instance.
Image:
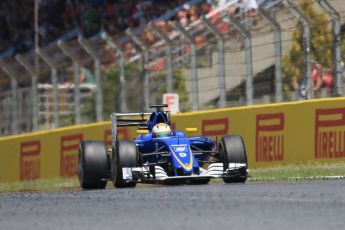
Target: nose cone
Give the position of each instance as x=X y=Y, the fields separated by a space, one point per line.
x=183 y=157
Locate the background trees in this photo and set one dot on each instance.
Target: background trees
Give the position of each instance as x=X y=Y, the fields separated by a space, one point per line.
x=321 y=43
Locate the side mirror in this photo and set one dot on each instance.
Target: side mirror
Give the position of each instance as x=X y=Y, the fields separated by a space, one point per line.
x=142 y=131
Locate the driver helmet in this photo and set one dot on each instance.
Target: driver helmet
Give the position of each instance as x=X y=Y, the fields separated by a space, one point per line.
x=161 y=130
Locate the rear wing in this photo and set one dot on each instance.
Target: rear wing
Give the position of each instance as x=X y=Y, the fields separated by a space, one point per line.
x=126 y=120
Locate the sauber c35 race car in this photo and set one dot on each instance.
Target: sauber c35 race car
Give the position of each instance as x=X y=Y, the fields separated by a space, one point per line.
x=159 y=155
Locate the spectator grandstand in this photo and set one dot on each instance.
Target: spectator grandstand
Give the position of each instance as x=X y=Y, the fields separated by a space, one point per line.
x=140 y=52
x=65 y=18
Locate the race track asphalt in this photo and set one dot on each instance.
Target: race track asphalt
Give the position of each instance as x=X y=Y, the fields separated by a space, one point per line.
x=309 y=205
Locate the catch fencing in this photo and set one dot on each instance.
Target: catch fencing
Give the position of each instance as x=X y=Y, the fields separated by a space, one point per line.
x=223 y=59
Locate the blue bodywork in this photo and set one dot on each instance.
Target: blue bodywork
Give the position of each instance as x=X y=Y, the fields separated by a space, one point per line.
x=176 y=153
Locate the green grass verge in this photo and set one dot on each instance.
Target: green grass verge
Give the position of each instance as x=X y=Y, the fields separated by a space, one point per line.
x=298 y=172
x=276 y=173
x=40 y=185
x=57 y=184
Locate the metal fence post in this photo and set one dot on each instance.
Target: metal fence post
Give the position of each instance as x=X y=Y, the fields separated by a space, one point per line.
x=248 y=58
x=14 y=102
x=221 y=58
x=34 y=78
x=278 y=52
x=146 y=60
x=76 y=80
x=194 y=70
x=97 y=73
x=168 y=55
x=121 y=65
x=51 y=64
x=336 y=26
x=306 y=42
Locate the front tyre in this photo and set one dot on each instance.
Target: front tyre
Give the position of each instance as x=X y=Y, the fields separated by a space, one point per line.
x=232 y=151
x=92 y=165
x=126 y=155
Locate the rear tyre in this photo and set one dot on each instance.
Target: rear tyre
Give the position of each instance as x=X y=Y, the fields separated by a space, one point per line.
x=126 y=155
x=232 y=150
x=92 y=165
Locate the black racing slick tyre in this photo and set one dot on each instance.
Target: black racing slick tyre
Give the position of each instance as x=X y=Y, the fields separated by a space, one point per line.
x=92 y=165
x=232 y=150
x=125 y=155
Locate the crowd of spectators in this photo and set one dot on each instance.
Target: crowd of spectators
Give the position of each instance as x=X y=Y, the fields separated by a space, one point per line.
x=61 y=17
x=15 y=24
x=66 y=18
x=188 y=17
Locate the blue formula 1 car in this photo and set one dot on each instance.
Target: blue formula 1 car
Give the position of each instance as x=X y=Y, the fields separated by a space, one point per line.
x=159 y=155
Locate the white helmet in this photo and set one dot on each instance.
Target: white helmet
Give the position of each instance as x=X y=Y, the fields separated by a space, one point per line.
x=161 y=129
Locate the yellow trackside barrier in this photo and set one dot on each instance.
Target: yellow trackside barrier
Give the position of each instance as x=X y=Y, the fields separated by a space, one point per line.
x=49 y=154
x=297 y=132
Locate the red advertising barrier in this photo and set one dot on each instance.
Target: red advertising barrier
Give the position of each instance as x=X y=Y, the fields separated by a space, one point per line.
x=330 y=133
x=215 y=127
x=270 y=137
x=30 y=160
x=69 y=154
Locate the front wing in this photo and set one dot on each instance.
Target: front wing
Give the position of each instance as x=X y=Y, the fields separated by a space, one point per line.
x=214 y=170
